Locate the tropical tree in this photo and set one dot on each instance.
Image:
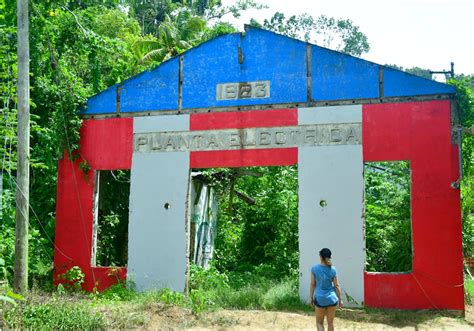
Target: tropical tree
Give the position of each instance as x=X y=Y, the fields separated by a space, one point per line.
x=174 y=35
x=182 y=25
x=339 y=34
x=76 y=51
x=465 y=105
x=150 y=13
x=388 y=216
x=257 y=227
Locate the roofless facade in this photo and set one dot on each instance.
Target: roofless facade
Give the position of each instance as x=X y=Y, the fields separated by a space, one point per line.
x=261 y=99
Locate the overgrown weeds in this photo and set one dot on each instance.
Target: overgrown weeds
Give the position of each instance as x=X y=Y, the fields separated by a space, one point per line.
x=469 y=290
x=122 y=307
x=210 y=292
x=245 y=291
x=54 y=314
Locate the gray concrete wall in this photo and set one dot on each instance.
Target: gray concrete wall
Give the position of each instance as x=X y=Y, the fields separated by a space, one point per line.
x=333 y=174
x=157 y=236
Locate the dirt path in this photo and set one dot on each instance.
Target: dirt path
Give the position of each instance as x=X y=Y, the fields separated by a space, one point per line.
x=348 y=319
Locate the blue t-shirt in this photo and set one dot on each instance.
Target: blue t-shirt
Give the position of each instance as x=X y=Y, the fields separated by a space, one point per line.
x=325 y=293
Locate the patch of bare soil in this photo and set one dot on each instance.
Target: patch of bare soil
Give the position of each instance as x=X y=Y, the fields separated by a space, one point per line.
x=347 y=319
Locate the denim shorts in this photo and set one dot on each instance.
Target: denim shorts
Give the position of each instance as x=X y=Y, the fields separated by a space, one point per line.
x=319 y=306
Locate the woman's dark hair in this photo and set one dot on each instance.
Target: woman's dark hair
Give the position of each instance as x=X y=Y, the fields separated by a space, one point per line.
x=325 y=254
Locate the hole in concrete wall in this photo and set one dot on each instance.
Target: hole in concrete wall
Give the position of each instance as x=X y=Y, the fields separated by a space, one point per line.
x=110 y=231
x=387 y=201
x=249 y=222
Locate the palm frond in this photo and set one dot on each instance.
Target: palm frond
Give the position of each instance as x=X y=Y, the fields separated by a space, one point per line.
x=154 y=55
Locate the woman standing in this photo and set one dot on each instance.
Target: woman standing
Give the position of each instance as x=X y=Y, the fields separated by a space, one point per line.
x=328 y=293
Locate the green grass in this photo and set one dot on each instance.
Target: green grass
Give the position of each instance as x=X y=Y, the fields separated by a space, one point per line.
x=267 y=296
x=122 y=307
x=469 y=289
x=55 y=314
x=245 y=291
x=116 y=308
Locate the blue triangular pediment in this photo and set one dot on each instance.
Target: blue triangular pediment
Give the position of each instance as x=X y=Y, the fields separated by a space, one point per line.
x=294 y=72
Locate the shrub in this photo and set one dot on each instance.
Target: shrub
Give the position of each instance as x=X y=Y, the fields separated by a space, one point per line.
x=170 y=297
x=207 y=279
x=469 y=290
x=73 y=278
x=118 y=292
x=53 y=315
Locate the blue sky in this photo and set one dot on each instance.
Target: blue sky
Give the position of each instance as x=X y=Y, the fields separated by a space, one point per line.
x=424 y=33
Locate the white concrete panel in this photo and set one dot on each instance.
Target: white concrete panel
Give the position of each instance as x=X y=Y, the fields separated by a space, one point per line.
x=161 y=123
x=333 y=174
x=332 y=114
x=157 y=238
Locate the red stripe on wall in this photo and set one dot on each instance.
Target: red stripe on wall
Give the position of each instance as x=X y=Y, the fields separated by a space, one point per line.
x=244 y=158
x=107 y=143
x=386 y=131
x=421 y=133
x=244 y=119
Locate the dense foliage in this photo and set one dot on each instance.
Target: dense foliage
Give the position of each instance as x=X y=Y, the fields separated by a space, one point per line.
x=465 y=108
x=260 y=233
x=388 y=216
x=112 y=236
x=79 y=48
x=121 y=307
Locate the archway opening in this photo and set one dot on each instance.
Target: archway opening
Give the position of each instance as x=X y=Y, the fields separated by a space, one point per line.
x=387 y=205
x=244 y=234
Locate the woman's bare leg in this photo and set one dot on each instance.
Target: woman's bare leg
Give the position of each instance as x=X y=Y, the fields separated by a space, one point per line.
x=320 y=313
x=331 y=313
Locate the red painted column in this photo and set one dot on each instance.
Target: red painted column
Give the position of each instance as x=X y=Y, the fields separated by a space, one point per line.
x=421 y=133
x=73 y=217
x=105 y=145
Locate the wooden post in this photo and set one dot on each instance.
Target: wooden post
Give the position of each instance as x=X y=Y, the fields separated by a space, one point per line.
x=20 y=281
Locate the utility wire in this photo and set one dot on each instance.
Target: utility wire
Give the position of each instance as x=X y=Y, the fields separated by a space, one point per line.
x=13 y=181
x=61 y=101
x=9 y=141
x=424 y=292
x=438 y=281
